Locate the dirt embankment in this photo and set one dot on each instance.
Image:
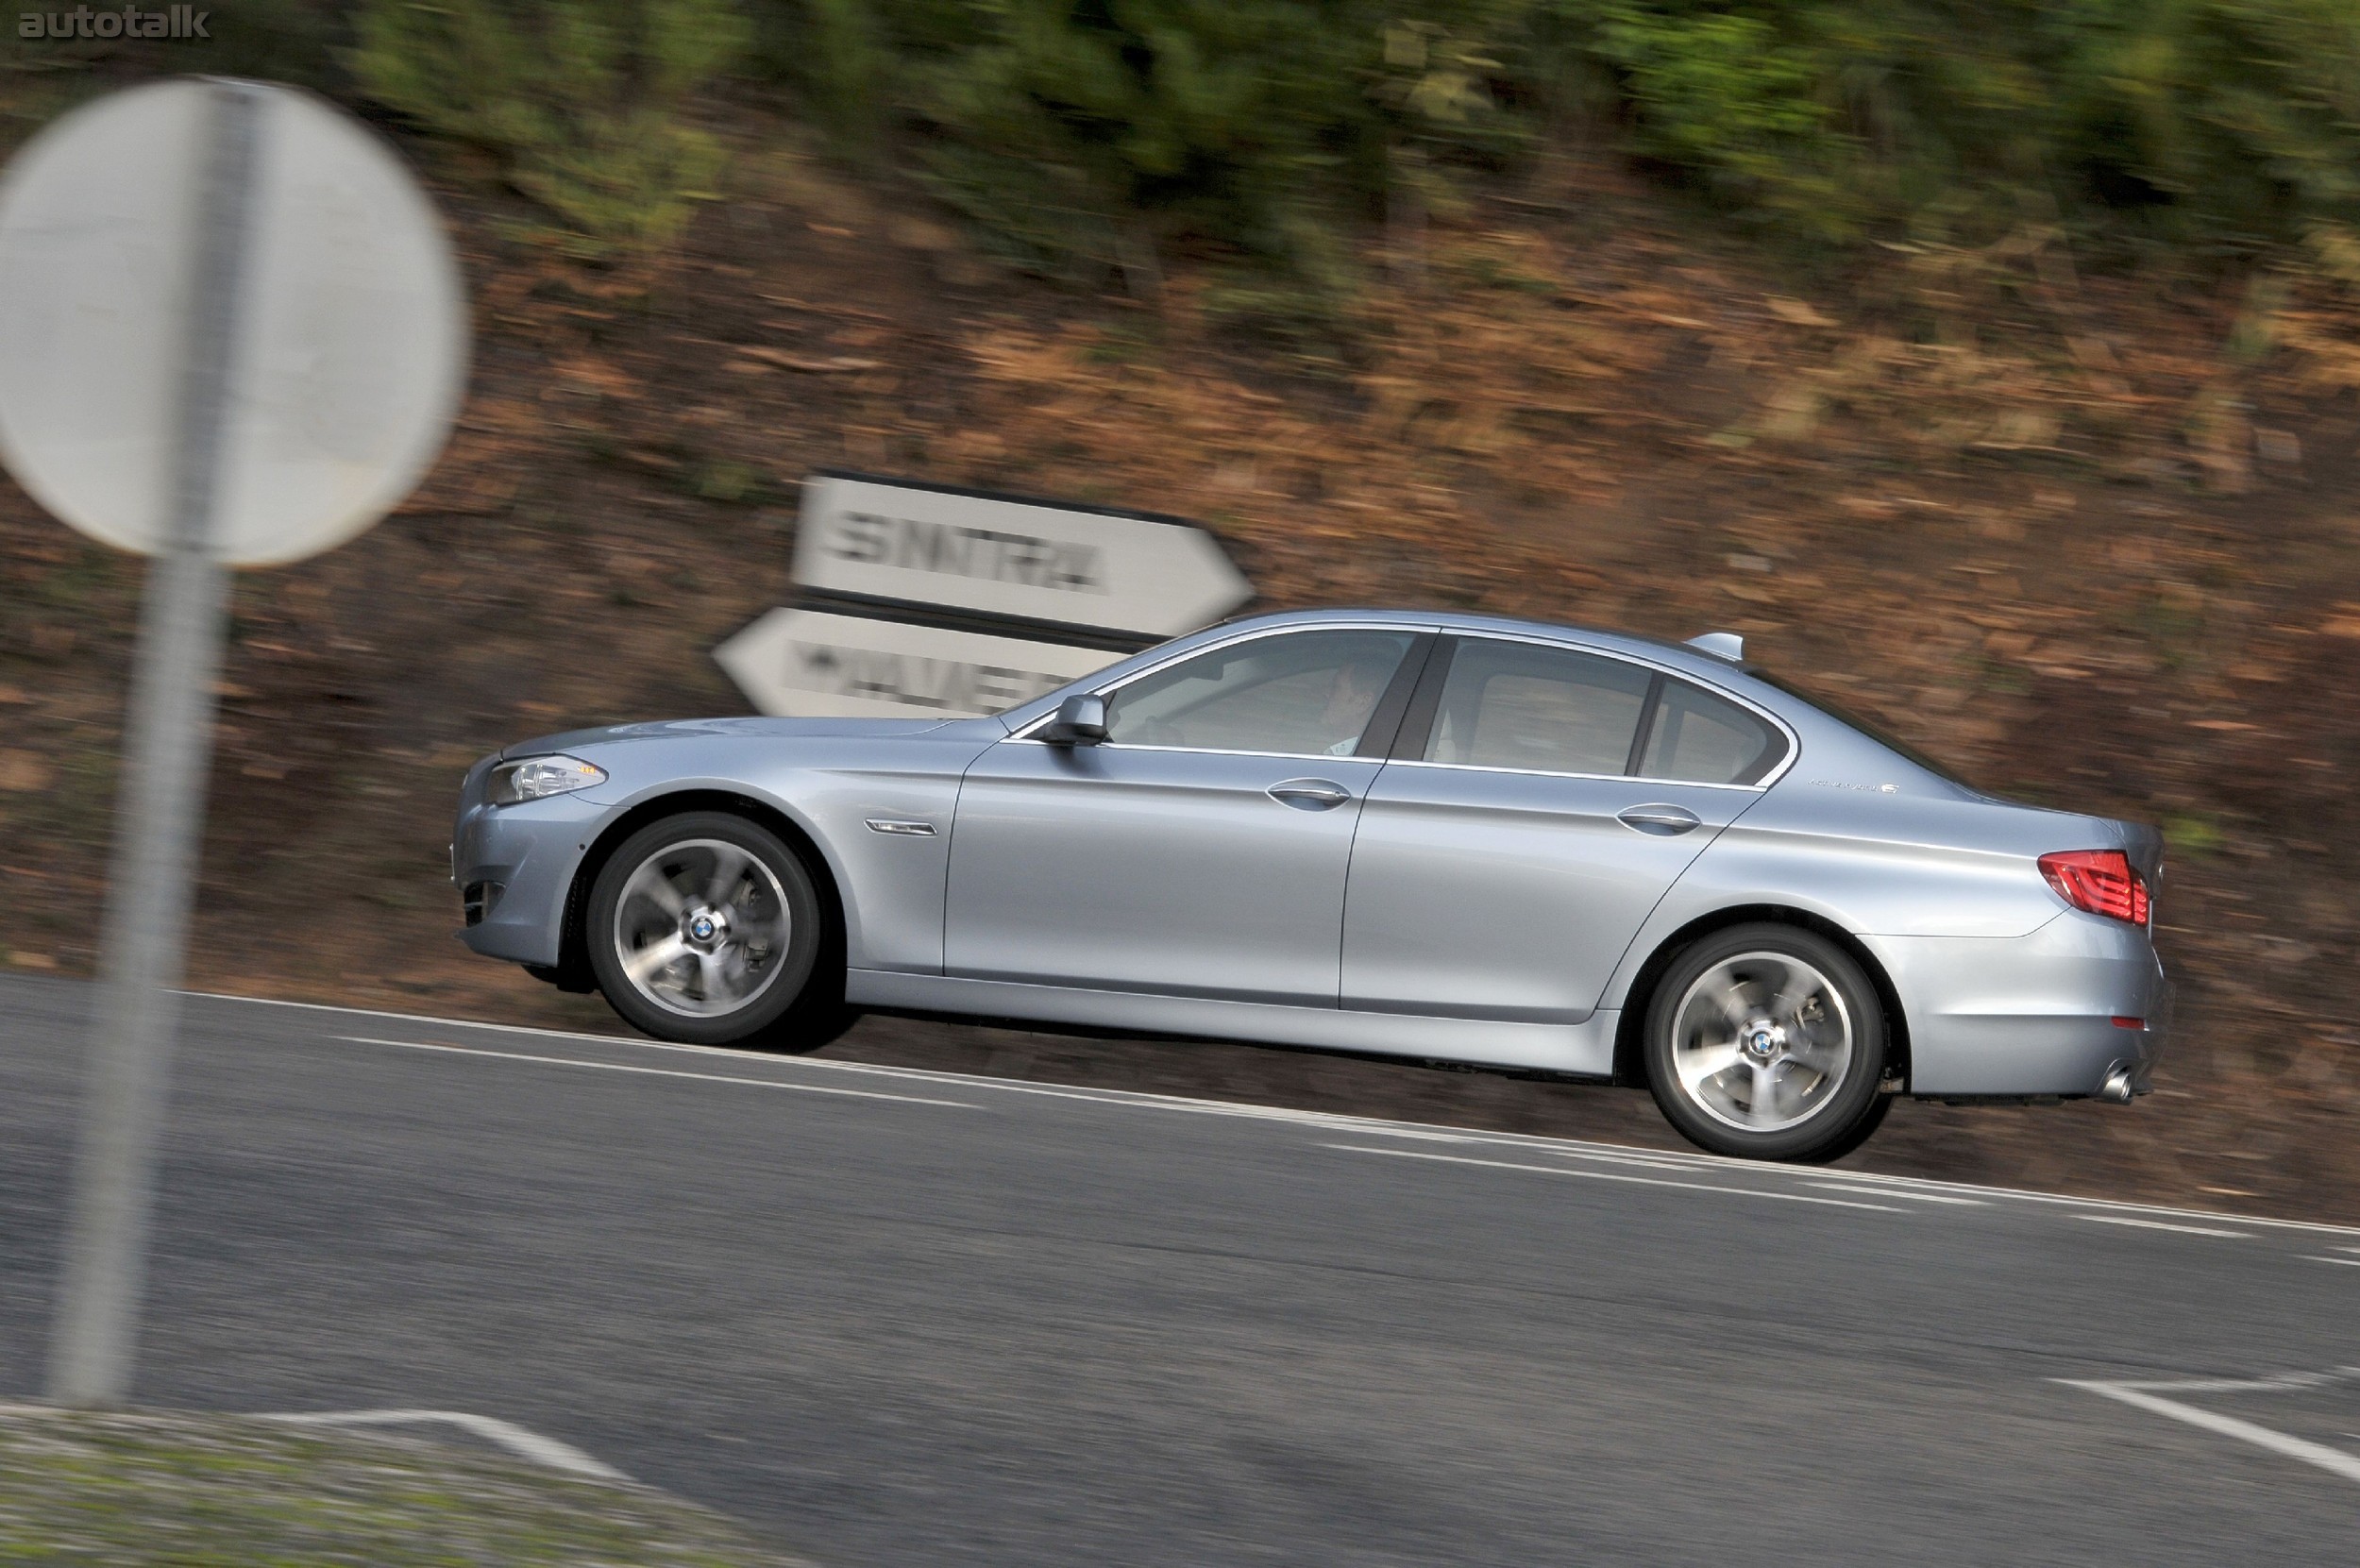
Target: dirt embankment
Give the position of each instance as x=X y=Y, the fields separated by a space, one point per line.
x=2085 y=535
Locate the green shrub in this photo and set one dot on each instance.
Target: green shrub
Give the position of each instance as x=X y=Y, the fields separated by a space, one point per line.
x=585 y=102
x=1083 y=136
x=1089 y=135
x=1096 y=137
x=1726 y=94
x=2230 y=121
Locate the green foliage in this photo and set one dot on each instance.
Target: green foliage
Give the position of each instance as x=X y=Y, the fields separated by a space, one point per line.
x=2194 y=837
x=288 y=41
x=847 y=94
x=2215 y=121
x=1086 y=134
x=584 y=102
x=1094 y=138
x=1723 y=94
x=2236 y=119
x=1085 y=137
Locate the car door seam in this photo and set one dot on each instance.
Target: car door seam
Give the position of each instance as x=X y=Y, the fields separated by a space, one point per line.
x=1623 y=959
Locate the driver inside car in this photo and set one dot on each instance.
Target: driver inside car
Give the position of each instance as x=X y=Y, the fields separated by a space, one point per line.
x=1350 y=701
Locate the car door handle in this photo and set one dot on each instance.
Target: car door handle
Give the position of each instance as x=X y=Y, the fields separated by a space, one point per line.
x=1310 y=794
x=1660 y=820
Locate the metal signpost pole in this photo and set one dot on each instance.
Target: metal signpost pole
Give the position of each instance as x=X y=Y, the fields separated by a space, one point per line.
x=158 y=812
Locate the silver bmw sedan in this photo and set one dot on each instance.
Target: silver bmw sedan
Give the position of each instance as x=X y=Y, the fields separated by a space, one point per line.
x=1450 y=838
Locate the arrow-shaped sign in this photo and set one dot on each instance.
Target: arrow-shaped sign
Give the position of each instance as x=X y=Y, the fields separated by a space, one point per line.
x=806 y=664
x=1017 y=559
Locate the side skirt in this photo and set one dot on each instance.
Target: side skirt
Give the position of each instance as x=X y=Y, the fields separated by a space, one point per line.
x=1584 y=1049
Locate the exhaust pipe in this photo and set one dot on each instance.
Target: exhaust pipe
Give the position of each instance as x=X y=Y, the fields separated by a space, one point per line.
x=2117 y=1089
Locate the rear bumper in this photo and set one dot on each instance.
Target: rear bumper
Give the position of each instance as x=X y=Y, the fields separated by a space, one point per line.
x=2029 y=1015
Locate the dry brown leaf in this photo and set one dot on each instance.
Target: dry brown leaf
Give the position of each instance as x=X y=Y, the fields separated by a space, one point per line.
x=24 y=772
x=808 y=365
x=1796 y=311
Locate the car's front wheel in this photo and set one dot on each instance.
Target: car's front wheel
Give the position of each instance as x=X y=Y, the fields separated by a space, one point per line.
x=706 y=929
x=1768 y=1042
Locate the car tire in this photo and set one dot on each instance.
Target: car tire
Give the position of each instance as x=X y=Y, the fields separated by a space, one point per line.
x=1768 y=1042
x=707 y=929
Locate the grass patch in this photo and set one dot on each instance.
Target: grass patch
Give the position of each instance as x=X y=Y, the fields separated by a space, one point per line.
x=219 y=1492
x=2195 y=836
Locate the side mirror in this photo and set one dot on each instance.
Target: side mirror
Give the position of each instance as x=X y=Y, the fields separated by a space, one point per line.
x=1080 y=721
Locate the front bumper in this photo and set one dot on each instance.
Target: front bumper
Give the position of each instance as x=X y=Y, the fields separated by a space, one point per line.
x=2031 y=1015
x=515 y=866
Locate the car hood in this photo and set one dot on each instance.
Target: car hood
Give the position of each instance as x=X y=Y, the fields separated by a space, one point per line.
x=564 y=740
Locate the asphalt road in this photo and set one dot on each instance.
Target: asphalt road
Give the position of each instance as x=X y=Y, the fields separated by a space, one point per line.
x=897 y=1318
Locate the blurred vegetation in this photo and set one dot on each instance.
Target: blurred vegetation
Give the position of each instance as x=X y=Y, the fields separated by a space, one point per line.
x=1093 y=132
x=1093 y=137
x=587 y=104
x=1097 y=139
x=289 y=40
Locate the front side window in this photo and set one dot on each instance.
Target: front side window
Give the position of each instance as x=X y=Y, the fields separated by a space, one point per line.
x=1700 y=738
x=1541 y=709
x=1300 y=694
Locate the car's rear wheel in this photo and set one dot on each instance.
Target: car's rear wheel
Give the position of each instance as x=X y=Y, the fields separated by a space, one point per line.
x=706 y=929
x=1768 y=1042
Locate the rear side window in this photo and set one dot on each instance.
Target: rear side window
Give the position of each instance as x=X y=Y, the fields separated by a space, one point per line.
x=1541 y=709
x=1699 y=739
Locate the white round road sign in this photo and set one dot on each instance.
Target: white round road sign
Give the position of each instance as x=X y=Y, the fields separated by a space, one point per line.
x=350 y=346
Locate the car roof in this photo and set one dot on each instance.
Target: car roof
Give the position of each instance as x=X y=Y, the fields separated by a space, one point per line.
x=1661 y=649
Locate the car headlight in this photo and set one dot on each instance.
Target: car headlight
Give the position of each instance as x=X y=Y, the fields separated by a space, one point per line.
x=536 y=778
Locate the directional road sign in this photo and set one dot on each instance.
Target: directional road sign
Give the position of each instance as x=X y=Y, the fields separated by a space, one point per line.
x=809 y=664
x=1050 y=565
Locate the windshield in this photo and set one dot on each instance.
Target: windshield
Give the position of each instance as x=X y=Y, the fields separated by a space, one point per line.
x=1868 y=727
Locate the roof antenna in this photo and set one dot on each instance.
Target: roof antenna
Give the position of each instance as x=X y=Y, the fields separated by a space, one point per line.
x=1721 y=645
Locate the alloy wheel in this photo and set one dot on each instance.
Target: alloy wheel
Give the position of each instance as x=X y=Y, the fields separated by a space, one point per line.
x=1761 y=1041
x=700 y=927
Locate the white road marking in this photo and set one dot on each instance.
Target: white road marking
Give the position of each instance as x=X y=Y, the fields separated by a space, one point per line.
x=1860 y=1191
x=1646 y=1159
x=2334 y=1460
x=659 y=1071
x=1364 y=1126
x=1612 y=1176
x=2321 y=1258
x=522 y=1441
x=2158 y=1224
x=1618 y=1159
x=2285 y=1382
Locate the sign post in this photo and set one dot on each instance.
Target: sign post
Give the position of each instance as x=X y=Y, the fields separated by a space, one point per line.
x=204 y=286
x=158 y=838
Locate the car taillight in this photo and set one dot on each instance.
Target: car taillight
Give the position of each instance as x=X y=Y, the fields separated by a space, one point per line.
x=2100 y=881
